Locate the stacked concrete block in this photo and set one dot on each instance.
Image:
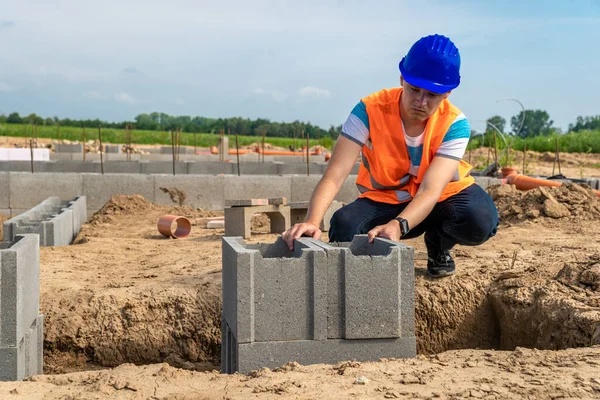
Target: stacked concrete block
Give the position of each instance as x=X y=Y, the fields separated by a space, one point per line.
x=594 y=183
x=56 y=222
x=299 y=209
x=21 y=325
x=112 y=148
x=317 y=303
x=238 y=219
x=68 y=148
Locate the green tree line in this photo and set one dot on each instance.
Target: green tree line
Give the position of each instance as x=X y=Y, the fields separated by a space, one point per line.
x=156 y=121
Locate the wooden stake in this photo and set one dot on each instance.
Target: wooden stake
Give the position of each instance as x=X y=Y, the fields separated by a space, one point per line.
x=173 y=149
x=307 y=155
x=84 y=143
x=524 y=157
x=101 y=155
x=195 y=149
x=237 y=150
x=31 y=152
x=58 y=129
x=557 y=158
x=263 y=145
x=495 y=149
x=301 y=142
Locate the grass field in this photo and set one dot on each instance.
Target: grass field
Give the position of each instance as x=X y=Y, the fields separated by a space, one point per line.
x=575 y=142
x=150 y=137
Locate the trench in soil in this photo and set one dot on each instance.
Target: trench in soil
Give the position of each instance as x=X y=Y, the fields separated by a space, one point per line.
x=183 y=328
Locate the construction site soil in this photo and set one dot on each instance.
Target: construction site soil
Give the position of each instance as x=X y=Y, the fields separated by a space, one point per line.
x=520 y=319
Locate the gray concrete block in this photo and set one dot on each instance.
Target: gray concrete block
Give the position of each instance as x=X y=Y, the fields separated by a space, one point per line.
x=52 y=220
x=300 y=169
x=253 y=356
x=61 y=156
x=76 y=166
x=163 y=167
x=255 y=168
x=273 y=293
x=348 y=192
x=79 y=208
x=358 y=303
x=25 y=359
x=369 y=312
x=359 y=291
x=203 y=191
x=99 y=189
x=298 y=211
x=248 y=187
x=4 y=190
x=210 y=168
x=122 y=167
x=238 y=219
x=16 y=166
x=19 y=288
x=303 y=187
x=68 y=148
x=113 y=148
x=28 y=190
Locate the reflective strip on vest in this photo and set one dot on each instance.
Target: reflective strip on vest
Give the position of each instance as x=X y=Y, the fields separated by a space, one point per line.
x=362 y=189
x=376 y=185
x=403 y=195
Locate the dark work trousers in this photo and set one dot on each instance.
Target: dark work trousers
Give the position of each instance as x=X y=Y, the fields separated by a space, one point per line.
x=468 y=218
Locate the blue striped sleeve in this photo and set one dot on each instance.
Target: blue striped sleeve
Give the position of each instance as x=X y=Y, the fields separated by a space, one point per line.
x=456 y=139
x=356 y=127
x=460 y=129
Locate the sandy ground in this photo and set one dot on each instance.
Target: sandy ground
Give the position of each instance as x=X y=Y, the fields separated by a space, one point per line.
x=572 y=165
x=126 y=295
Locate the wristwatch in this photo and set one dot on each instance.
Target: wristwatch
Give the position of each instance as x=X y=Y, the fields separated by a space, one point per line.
x=403 y=225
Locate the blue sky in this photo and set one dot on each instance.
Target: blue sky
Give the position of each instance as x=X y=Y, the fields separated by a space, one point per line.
x=287 y=60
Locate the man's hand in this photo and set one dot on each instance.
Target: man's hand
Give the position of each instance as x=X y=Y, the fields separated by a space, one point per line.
x=391 y=231
x=298 y=230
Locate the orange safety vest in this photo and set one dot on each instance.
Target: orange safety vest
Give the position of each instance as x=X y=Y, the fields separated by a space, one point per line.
x=383 y=175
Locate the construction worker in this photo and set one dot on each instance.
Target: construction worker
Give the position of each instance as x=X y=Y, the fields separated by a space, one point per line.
x=412 y=179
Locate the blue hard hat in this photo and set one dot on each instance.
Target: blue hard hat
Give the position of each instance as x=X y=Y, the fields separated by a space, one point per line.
x=432 y=63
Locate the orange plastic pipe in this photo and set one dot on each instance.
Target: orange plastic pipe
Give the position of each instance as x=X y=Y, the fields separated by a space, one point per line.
x=523 y=182
x=182 y=226
x=286 y=153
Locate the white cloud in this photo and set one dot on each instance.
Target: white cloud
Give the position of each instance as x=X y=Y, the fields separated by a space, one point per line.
x=125 y=98
x=93 y=95
x=5 y=87
x=314 y=92
x=179 y=101
x=275 y=94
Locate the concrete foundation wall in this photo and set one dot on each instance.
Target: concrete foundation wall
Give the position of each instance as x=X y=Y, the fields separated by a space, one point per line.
x=21 y=326
x=118 y=163
x=56 y=222
x=21 y=191
x=322 y=301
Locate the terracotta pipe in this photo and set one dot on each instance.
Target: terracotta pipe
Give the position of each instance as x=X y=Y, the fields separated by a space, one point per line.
x=285 y=153
x=182 y=226
x=523 y=182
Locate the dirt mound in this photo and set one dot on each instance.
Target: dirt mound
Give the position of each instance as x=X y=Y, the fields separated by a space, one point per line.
x=549 y=313
x=569 y=200
x=121 y=205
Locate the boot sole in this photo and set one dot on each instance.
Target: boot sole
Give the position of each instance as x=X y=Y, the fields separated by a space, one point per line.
x=441 y=274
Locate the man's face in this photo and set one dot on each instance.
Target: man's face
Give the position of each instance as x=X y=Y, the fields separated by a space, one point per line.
x=419 y=104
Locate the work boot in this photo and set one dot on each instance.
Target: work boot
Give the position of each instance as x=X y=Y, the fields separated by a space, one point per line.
x=441 y=265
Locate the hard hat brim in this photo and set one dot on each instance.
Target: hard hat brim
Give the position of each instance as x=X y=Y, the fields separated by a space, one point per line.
x=424 y=83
